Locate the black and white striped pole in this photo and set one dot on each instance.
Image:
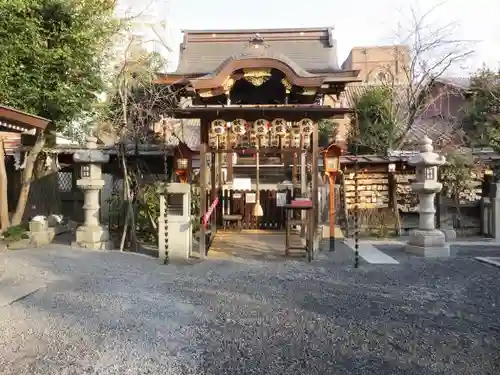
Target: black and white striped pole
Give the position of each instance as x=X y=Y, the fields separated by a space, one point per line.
x=356 y=212
x=356 y=197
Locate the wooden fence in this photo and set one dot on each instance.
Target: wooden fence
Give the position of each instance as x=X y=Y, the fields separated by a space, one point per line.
x=240 y=202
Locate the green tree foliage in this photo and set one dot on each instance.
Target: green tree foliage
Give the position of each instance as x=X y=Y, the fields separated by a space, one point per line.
x=375 y=127
x=481 y=119
x=53 y=52
x=327 y=131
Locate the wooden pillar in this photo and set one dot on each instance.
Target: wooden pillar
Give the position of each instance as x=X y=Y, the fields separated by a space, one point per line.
x=331 y=179
x=294 y=169
x=229 y=164
x=4 y=208
x=213 y=191
x=303 y=187
x=220 y=160
x=314 y=173
x=203 y=190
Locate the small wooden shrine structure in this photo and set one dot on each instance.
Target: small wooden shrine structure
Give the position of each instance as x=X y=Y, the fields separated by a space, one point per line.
x=258 y=101
x=13 y=125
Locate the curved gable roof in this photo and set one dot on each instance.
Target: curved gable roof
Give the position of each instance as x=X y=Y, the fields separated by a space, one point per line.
x=313 y=49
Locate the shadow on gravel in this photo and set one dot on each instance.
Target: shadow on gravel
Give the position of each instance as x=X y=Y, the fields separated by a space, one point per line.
x=109 y=310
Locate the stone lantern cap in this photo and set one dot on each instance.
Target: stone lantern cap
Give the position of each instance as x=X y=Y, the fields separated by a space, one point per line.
x=91 y=155
x=427 y=157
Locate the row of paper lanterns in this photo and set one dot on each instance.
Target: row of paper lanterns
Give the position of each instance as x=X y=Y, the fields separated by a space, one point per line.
x=261 y=127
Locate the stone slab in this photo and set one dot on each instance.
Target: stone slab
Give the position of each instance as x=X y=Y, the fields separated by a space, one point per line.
x=370 y=253
x=495 y=261
x=428 y=251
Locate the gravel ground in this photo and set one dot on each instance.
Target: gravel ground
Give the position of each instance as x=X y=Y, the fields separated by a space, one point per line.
x=116 y=313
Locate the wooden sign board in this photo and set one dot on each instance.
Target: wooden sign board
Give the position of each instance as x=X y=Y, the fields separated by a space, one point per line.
x=250 y=198
x=280 y=199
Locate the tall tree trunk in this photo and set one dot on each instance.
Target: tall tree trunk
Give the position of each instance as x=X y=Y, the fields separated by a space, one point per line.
x=27 y=176
x=4 y=201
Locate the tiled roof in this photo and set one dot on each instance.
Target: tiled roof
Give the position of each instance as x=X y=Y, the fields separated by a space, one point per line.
x=186 y=131
x=314 y=50
x=438 y=129
x=457 y=82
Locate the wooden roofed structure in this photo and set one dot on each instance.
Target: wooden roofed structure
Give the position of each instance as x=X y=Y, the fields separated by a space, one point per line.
x=257 y=92
x=14 y=122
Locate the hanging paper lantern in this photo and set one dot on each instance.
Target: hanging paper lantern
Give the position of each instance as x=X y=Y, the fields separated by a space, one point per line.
x=212 y=140
x=233 y=140
x=306 y=126
x=261 y=126
x=279 y=126
x=264 y=141
x=275 y=141
x=285 y=141
x=252 y=139
x=295 y=141
x=244 y=140
x=238 y=126
x=307 y=142
x=218 y=127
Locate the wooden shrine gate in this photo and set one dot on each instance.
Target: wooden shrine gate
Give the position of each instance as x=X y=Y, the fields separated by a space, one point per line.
x=240 y=202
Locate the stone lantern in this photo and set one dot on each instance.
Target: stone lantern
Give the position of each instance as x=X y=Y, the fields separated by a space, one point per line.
x=91 y=234
x=427 y=240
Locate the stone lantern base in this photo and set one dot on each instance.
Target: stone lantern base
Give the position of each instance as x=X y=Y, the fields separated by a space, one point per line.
x=428 y=243
x=93 y=237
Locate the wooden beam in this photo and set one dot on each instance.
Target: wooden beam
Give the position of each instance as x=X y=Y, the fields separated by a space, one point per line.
x=263 y=150
x=22 y=119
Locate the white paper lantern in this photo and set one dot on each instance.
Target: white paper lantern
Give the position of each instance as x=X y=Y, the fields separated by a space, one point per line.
x=218 y=127
x=306 y=126
x=238 y=126
x=279 y=126
x=261 y=127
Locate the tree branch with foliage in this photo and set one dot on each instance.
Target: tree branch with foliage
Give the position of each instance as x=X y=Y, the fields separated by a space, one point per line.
x=481 y=112
x=378 y=127
x=52 y=57
x=425 y=52
x=136 y=107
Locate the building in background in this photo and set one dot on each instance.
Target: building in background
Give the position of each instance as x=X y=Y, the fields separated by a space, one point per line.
x=380 y=63
x=148 y=27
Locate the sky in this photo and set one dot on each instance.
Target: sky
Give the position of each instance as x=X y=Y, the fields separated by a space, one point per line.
x=356 y=22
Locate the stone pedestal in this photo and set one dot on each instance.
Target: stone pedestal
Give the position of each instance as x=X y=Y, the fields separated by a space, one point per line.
x=40 y=233
x=91 y=235
x=427 y=240
x=428 y=243
x=175 y=232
